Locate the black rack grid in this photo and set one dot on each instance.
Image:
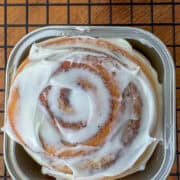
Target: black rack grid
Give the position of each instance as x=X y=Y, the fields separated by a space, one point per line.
x=161 y=17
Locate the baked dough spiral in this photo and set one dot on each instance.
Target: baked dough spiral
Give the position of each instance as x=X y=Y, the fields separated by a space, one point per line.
x=85 y=108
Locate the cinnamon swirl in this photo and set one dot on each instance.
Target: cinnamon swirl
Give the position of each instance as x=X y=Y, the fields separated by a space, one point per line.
x=85 y=108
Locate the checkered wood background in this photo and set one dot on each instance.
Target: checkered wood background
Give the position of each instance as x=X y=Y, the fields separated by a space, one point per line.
x=18 y=17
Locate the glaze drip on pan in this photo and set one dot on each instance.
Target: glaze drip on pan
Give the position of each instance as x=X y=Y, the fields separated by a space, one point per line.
x=85 y=108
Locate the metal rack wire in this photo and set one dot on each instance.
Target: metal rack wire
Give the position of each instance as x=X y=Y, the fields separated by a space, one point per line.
x=131 y=5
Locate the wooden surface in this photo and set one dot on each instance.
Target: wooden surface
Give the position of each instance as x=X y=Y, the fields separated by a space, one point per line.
x=162 y=18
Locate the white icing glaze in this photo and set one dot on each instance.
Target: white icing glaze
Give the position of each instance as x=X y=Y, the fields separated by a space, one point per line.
x=91 y=106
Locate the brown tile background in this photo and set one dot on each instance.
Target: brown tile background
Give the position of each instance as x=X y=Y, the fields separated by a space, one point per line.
x=161 y=17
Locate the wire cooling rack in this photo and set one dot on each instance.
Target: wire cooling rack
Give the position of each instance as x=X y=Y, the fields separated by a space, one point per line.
x=18 y=17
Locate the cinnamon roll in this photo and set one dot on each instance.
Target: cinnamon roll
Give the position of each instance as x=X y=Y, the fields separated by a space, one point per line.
x=85 y=108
